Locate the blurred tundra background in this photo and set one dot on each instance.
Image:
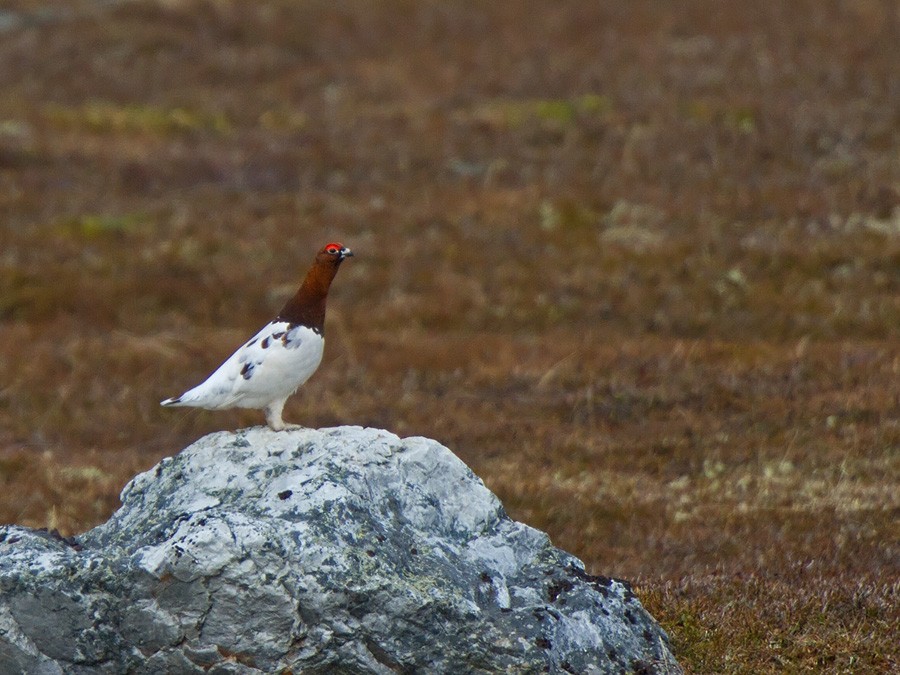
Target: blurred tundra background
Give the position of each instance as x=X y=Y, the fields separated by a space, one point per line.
x=638 y=264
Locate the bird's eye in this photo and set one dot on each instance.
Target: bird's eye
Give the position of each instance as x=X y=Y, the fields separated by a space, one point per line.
x=332 y=249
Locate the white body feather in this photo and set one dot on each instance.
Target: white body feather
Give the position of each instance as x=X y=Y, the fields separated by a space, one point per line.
x=262 y=373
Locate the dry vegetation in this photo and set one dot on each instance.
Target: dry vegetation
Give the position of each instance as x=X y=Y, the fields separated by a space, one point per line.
x=638 y=264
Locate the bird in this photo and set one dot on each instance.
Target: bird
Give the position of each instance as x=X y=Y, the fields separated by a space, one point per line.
x=266 y=370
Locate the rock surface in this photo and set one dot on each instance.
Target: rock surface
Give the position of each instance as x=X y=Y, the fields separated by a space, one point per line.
x=340 y=550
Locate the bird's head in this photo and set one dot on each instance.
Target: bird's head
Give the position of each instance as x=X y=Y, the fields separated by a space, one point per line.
x=333 y=253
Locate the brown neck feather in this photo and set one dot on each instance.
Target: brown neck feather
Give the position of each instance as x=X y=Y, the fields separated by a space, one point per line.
x=307 y=307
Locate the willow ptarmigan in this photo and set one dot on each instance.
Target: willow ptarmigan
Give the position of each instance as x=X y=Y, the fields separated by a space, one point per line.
x=263 y=373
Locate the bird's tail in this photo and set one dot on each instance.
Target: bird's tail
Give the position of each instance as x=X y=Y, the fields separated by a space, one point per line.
x=172 y=402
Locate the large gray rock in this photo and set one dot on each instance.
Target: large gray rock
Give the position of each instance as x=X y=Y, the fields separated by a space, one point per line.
x=341 y=550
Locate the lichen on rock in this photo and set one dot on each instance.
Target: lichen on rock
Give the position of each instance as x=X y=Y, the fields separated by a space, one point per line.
x=339 y=550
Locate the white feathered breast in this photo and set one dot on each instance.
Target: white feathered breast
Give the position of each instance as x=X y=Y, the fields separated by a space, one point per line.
x=270 y=366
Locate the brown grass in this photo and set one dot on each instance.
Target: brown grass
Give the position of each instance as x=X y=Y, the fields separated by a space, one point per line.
x=638 y=265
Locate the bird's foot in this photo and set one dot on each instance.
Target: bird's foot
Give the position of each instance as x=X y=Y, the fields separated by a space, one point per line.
x=273 y=416
x=286 y=426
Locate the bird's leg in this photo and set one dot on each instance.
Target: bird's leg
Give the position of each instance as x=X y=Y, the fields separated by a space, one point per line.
x=273 y=416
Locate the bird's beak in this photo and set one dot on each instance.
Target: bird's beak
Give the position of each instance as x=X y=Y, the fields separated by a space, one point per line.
x=346 y=253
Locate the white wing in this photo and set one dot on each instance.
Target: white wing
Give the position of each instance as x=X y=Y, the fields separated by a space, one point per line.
x=271 y=366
